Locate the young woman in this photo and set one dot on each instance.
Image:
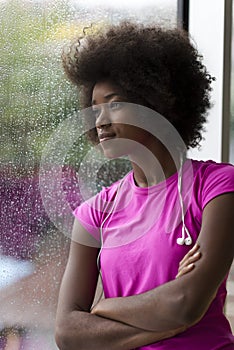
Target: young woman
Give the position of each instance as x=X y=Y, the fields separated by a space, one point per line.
x=159 y=293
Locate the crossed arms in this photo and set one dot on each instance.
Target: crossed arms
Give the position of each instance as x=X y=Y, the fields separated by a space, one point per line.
x=130 y=322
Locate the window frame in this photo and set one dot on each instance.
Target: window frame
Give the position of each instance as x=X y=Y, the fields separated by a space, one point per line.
x=216 y=145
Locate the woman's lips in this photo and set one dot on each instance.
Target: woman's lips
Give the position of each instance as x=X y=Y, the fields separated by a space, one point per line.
x=105 y=137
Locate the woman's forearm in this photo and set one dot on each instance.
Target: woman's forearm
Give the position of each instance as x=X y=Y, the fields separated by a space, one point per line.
x=113 y=324
x=150 y=311
x=85 y=331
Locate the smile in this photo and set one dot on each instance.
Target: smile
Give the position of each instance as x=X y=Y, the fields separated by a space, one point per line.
x=104 y=137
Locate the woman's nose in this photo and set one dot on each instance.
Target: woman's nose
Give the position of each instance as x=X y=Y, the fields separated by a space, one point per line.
x=103 y=117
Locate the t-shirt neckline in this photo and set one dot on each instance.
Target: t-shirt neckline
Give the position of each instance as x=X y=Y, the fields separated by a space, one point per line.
x=158 y=187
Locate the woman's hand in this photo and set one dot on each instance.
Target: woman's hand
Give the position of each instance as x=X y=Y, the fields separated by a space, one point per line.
x=187 y=263
x=183 y=302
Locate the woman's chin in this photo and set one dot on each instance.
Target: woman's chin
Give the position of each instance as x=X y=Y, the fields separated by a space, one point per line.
x=113 y=149
x=112 y=154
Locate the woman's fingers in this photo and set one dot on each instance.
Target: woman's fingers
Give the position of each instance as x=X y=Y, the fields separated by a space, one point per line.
x=191 y=259
x=190 y=253
x=185 y=270
x=187 y=263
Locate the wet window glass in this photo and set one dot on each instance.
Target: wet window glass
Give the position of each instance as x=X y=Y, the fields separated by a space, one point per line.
x=35 y=99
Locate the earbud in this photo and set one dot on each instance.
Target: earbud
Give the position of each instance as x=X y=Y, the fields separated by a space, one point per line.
x=188 y=241
x=180 y=241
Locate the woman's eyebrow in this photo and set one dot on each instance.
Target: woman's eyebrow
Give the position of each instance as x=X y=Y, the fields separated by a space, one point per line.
x=112 y=94
x=108 y=96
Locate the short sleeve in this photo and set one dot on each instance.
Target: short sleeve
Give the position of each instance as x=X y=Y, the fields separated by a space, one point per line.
x=92 y=213
x=89 y=215
x=217 y=179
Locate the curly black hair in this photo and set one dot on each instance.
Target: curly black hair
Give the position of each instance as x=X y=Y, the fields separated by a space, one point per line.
x=155 y=67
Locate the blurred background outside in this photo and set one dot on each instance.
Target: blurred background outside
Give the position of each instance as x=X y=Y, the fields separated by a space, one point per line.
x=35 y=97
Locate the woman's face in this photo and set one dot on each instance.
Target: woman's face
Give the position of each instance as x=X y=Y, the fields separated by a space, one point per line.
x=116 y=120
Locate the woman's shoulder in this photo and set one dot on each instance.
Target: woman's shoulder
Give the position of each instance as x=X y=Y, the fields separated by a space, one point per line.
x=206 y=173
x=212 y=179
x=92 y=211
x=207 y=169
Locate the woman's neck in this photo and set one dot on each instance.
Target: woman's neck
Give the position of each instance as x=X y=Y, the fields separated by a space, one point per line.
x=150 y=169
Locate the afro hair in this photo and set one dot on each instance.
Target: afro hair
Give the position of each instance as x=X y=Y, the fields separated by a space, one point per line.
x=155 y=67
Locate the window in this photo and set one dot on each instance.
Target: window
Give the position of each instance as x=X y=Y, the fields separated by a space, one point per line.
x=35 y=98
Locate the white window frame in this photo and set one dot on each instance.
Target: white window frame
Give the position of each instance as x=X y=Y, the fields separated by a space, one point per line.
x=210 y=27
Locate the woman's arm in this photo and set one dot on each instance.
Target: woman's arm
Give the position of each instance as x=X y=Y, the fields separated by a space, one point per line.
x=184 y=300
x=76 y=327
x=187 y=264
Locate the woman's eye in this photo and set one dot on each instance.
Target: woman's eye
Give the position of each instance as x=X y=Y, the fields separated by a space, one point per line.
x=115 y=105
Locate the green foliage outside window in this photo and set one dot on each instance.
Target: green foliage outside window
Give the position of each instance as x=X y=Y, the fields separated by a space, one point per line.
x=35 y=95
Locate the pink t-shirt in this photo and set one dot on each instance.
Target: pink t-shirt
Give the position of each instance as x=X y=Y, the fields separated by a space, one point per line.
x=140 y=227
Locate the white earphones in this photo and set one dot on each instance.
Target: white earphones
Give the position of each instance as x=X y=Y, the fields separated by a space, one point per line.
x=185 y=232
x=182 y=240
